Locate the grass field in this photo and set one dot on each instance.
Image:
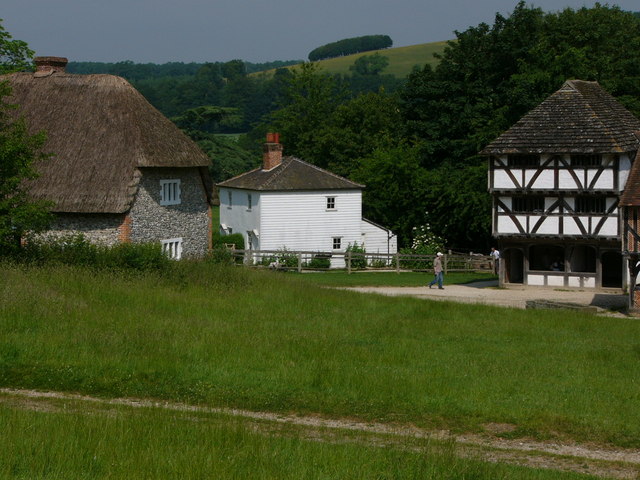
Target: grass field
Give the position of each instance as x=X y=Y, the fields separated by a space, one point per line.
x=61 y=439
x=267 y=341
x=402 y=60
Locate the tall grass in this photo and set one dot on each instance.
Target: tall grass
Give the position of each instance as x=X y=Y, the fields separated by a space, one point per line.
x=259 y=340
x=68 y=441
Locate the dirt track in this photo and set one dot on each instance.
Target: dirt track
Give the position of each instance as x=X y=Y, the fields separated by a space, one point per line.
x=487 y=293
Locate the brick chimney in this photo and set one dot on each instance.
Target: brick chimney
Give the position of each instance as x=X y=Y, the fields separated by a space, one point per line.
x=45 y=66
x=272 y=152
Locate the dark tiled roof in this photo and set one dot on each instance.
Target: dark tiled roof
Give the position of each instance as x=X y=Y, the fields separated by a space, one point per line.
x=291 y=174
x=631 y=195
x=581 y=117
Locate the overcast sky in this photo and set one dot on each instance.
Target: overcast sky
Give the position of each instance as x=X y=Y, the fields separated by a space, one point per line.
x=160 y=31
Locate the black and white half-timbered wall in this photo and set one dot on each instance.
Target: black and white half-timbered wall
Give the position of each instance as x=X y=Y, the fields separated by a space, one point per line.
x=556 y=178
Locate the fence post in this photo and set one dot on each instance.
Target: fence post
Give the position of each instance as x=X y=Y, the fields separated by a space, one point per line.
x=299 y=263
x=398 y=262
x=348 y=259
x=446 y=261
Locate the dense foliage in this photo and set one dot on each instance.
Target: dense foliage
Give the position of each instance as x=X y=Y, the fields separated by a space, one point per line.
x=18 y=152
x=349 y=46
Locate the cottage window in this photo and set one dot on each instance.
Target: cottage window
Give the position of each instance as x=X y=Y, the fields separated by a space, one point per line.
x=586 y=160
x=523 y=161
x=249 y=201
x=170 y=192
x=229 y=199
x=528 y=204
x=590 y=204
x=172 y=248
x=337 y=243
x=331 y=203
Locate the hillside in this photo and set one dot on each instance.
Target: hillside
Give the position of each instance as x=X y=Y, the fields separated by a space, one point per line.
x=401 y=59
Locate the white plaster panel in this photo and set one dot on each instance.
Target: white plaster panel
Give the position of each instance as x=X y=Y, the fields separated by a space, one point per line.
x=555 y=281
x=549 y=226
x=566 y=181
x=574 y=282
x=506 y=225
x=545 y=181
x=623 y=172
x=590 y=282
x=605 y=182
x=502 y=181
x=610 y=227
x=570 y=227
x=537 y=280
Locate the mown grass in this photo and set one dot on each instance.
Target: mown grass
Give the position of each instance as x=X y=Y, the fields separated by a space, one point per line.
x=68 y=440
x=339 y=278
x=268 y=341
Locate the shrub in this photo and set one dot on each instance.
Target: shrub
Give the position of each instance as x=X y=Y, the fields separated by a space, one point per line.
x=235 y=238
x=320 y=261
x=77 y=250
x=359 y=260
x=220 y=254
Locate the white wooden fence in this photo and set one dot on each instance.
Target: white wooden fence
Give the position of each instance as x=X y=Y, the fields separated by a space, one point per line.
x=353 y=261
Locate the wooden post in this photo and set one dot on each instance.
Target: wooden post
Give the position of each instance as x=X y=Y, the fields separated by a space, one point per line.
x=445 y=263
x=348 y=259
x=299 y=262
x=398 y=262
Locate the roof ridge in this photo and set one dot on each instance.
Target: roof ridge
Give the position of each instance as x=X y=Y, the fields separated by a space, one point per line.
x=327 y=171
x=278 y=171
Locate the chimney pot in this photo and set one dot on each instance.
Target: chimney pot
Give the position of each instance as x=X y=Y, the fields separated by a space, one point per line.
x=272 y=152
x=49 y=65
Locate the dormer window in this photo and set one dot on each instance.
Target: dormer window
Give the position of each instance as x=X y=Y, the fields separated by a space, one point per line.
x=331 y=203
x=170 y=192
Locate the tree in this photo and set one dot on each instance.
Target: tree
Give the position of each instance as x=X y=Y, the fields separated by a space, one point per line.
x=369 y=64
x=18 y=152
x=310 y=98
x=15 y=55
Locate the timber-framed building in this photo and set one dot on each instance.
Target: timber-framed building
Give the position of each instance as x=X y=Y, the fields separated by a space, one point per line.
x=556 y=178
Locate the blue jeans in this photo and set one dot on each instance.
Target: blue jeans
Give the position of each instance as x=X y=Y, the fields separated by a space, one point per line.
x=437 y=279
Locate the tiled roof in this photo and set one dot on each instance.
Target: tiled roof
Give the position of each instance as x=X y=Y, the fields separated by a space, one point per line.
x=631 y=195
x=581 y=117
x=291 y=174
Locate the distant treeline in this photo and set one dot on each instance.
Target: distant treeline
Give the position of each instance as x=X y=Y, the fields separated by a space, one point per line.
x=138 y=71
x=349 y=46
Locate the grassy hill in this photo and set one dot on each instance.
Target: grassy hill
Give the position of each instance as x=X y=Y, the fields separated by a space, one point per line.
x=401 y=59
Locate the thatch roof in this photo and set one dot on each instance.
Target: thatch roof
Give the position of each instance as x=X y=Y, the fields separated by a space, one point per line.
x=292 y=174
x=581 y=117
x=100 y=131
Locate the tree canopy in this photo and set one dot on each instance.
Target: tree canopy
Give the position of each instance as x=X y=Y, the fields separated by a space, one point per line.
x=18 y=152
x=350 y=46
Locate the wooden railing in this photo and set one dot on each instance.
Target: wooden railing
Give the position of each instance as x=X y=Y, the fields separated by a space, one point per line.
x=355 y=261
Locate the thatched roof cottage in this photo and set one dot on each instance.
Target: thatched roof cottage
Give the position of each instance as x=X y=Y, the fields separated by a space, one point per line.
x=120 y=171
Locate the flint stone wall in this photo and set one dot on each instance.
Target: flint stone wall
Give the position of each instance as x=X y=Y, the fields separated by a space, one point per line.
x=189 y=220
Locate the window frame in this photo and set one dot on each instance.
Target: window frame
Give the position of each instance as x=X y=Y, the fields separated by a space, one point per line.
x=169 y=195
x=590 y=205
x=527 y=204
x=331 y=203
x=172 y=247
x=336 y=241
x=523 y=160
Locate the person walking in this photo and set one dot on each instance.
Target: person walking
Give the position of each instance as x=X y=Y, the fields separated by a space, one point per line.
x=495 y=254
x=437 y=270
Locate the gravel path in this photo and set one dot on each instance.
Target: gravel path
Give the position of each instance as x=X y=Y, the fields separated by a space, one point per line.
x=589 y=459
x=516 y=297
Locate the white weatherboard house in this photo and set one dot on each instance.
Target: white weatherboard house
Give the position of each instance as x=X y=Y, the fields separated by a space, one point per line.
x=556 y=178
x=289 y=203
